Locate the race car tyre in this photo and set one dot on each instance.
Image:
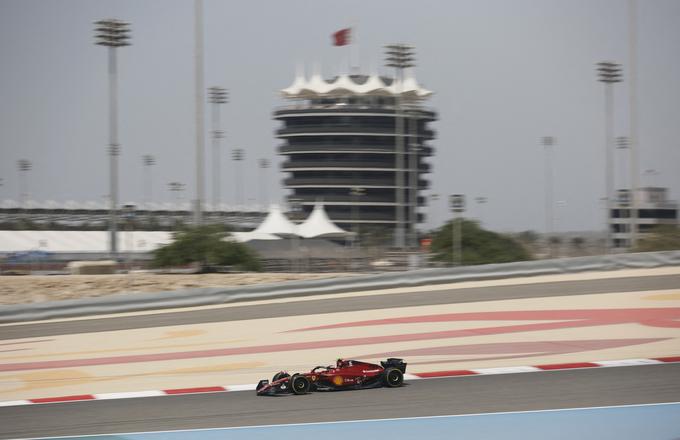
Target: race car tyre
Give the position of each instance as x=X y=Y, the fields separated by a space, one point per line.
x=300 y=384
x=280 y=375
x=392 y=377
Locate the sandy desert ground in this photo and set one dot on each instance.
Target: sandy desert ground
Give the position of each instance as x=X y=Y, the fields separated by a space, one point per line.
x=28 y=289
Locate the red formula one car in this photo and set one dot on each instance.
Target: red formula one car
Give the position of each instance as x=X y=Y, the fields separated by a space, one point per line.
x=346 y=374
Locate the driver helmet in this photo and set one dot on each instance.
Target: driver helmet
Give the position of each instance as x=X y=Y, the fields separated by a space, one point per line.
x=343 y=363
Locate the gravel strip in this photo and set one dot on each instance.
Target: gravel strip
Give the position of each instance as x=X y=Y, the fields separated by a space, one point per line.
x=31 y=289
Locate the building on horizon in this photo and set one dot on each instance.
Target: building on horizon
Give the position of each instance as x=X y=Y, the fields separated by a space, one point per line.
x=339 y=141
x=654 y=209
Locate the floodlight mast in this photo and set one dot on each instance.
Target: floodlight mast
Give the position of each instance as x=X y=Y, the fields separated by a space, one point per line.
x=548 y=142
x=413 y=149
x=609 y=73
x=400 y=57
x=263 y=165
x=148 y=161
x=113 y=33
x=623 y=144
x=216 y=96
x=24 y=166
x=237 y=155
x=200 y=114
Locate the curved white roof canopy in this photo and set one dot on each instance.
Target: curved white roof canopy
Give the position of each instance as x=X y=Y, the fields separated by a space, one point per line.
x=298 y=84
x=276 y=223
x=318 y=225
x=345 y=84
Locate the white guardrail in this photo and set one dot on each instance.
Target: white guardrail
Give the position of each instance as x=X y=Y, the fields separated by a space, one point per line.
x=132 y=302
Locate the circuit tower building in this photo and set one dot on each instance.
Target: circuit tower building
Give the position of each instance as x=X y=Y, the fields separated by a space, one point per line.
x=340 y=144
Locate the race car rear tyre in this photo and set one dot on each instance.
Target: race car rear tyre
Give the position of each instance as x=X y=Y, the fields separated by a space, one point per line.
x=300 y=384
x=280 y=375
x=392 y=377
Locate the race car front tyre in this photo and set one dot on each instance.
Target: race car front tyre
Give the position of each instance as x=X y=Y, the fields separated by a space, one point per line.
x=300 y=384
x=393 y=377
x=280 y=375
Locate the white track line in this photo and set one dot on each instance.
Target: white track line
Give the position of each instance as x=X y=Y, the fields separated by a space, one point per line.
x=407 y=376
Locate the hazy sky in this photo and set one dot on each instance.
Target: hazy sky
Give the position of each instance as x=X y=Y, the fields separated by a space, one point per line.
x=504 y=74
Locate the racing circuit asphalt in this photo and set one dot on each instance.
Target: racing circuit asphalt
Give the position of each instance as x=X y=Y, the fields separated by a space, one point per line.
x=461 y=395
x=367 y=302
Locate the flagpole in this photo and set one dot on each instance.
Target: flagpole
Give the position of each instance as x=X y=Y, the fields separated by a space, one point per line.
x=354 y=48
x=350 y=49
x=343 y=37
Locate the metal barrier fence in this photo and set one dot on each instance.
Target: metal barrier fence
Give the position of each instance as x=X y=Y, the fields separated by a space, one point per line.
x=210 y=296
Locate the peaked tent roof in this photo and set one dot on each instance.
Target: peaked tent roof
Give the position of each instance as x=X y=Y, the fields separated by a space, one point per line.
x=318 y=225
x=276 y=223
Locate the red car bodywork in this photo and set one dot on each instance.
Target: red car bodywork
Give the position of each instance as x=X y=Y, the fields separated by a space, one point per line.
x=346 y=374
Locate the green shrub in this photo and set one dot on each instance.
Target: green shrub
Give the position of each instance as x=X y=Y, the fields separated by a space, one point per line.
x=206 y=245
x=479 y=246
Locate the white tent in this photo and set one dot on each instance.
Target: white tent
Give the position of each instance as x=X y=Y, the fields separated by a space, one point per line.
x=318 y=225
x=277 y=224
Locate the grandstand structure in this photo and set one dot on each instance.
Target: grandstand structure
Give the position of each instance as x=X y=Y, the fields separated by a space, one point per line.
x=276 y=241
x=94 y=215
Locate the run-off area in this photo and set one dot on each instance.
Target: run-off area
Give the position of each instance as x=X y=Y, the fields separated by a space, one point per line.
x=650 y=421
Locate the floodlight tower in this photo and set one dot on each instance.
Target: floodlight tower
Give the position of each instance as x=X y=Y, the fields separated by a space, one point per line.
x=237 y=155
x=399 y=56
x=216 y=96
x=263 y=165
x=177 y=188
x=113 y=34
x=609 y=73
x=148 y=161
x=199 y=93
x=24 y=166
x=623 y=145
x=548 y=143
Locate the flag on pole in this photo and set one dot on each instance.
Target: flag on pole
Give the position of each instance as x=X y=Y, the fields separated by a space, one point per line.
x=341 y=37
